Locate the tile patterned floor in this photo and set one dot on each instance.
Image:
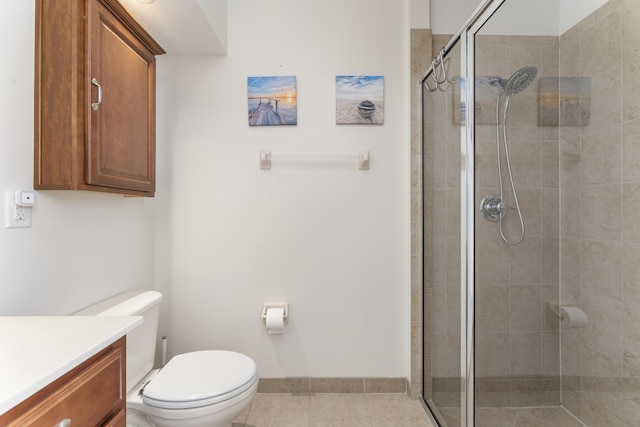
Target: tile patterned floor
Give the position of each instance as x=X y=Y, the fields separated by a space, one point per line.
x=516 y=417
x=333 y=410
x=381 y=410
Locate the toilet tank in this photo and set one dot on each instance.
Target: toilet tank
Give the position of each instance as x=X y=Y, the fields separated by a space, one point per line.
x=141 y=342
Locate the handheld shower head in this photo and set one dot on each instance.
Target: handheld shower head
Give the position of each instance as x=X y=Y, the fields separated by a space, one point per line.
x=520 y=80
x=493 y=207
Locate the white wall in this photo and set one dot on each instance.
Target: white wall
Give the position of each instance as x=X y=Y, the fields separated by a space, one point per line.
x=523 y=17
x=447 y=16
x=420 y=14
x=573 y=11
x=332 y=241
x=82 y=246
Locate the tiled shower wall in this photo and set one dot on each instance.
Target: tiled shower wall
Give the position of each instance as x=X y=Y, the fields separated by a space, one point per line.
x=420 y=61
x=442 y=193
x=517 y=353
x=517 y=337
x=600 y=221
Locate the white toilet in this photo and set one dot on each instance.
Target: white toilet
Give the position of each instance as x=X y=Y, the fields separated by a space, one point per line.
x=197 y=389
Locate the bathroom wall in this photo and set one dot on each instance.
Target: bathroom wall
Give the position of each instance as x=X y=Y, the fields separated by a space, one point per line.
x=447 y=16
x=573 y=11
x=517 y=353
x=333 y=241
x=420 y=46
x=420 y=14
x=420 y=289
x=600 y=239
x=82 y=246
x=442 y=231
x=517 y=345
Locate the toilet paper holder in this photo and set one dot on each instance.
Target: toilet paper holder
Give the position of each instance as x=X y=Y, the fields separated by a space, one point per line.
x=571 y=316
x=554 y=307
x=267 y=305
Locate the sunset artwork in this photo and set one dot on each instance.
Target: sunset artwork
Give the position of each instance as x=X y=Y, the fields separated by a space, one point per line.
x=272 y=101
x=564 y=101
x=360 y=100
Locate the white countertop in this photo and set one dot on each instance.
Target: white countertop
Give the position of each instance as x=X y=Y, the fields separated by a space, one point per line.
x=35 y=351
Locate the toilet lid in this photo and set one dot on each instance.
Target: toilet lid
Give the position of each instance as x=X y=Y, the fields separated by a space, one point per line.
x=200 y=378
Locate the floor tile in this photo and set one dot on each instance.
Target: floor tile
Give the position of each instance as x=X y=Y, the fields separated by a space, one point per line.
x=395 y=407
x=350 y=409
x=278 y=410
x=333 y=410
x=382 y=410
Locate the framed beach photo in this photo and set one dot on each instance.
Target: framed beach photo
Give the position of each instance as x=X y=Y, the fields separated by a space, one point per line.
x=360 y=100
x=272 y=101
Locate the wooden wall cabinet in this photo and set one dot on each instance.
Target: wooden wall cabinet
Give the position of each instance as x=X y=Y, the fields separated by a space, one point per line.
x=94 y=99
x=90 y=395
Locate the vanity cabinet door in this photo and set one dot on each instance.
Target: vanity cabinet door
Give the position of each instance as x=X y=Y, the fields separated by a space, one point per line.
x=93 y=394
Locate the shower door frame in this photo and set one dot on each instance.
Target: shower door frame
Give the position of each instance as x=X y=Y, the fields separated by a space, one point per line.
x=468 y=209
x=466 y=36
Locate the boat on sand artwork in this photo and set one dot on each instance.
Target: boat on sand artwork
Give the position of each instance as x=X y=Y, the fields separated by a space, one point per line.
x=360 y=100
x=272 y=101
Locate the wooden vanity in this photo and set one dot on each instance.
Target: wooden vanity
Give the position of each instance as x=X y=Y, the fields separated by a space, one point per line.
x=64 y=371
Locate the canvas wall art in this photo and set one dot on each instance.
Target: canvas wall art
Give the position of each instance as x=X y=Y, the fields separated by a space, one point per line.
x=360 y=100
x=564 y=101
x=272 y=100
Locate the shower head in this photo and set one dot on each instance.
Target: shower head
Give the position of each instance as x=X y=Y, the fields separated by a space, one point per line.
x=520 y=80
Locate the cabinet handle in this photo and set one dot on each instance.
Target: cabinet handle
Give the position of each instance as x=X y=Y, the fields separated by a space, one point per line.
x=66 y=422
x=95 y=105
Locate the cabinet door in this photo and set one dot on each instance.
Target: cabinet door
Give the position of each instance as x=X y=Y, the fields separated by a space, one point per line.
x=91 y=395
x=120 y=106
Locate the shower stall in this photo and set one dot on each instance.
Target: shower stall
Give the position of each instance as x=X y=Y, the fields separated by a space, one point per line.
x=531 y=216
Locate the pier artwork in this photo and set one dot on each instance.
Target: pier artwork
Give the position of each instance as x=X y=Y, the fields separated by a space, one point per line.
x=265 y=114
x=272 y=101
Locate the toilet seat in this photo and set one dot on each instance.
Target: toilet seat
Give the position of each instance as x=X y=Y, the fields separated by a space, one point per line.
x=200 y=378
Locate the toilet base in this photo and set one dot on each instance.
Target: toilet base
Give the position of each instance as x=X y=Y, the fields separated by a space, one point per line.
x=136 y=418
x=220 y=414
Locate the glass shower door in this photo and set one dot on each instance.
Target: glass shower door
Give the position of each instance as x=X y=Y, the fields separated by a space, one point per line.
x=531 y=210
x=517 y=219
x=441 y=184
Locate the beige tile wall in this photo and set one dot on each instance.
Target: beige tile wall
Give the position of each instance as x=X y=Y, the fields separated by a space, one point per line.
x=442 y=192
x=600 y=187
x=518 y=344
x=307 y=385
x=420 y=60
x=517 y=354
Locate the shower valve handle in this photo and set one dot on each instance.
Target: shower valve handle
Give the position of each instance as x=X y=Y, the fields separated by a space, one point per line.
x=493 y=208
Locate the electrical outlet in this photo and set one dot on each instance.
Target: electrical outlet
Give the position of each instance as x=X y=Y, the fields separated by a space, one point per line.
x=21 y=214
x=15 y=216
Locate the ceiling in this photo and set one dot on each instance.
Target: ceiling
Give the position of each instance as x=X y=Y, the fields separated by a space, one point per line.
x=184 y=27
